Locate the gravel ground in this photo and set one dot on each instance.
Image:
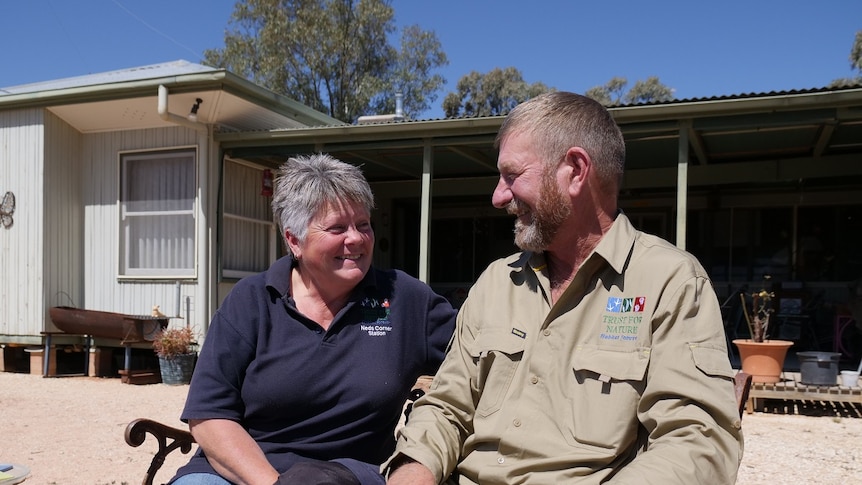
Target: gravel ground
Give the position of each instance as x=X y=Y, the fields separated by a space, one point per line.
x=70 y=431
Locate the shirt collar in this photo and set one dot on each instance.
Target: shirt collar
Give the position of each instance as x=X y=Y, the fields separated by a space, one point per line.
x=615 y=248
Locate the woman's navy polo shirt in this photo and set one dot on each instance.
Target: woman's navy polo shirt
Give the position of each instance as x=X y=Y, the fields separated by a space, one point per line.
x=300 y=390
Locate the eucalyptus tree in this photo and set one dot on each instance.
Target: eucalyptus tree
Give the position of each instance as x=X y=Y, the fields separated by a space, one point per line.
x=614 y=93
x=855 y=64
x=332 y=55
x=493 y=93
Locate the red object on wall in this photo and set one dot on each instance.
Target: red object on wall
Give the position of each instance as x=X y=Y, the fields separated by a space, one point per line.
x=266 y=184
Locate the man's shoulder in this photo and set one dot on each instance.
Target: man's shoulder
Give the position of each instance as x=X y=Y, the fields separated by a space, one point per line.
x=652 y=249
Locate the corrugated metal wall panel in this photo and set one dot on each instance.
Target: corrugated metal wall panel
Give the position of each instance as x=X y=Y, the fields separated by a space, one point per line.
x=21 y=167
x=63 y=234
x=101 y=172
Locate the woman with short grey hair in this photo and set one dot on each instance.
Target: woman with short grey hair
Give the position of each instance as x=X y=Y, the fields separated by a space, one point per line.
x=305 y=367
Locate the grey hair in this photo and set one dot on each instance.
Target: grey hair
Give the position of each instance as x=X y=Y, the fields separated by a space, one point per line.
x=560 y=120
x=306 y=184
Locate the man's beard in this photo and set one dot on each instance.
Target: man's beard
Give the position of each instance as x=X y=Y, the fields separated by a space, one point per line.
x=550 y=212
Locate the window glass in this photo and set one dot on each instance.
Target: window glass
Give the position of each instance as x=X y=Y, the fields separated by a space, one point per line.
x=248 y=244
x=157 y=222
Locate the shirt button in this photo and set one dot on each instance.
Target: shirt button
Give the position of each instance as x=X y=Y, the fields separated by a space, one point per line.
x=517 y=422
x=546 y=332
x=534 y=380
x=501 y=460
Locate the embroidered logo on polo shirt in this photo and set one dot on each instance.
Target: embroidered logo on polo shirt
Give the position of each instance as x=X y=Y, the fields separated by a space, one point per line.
x=375 y=317
x=622 y=318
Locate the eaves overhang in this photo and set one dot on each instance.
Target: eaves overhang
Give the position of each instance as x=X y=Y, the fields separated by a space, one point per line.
x=214 y=80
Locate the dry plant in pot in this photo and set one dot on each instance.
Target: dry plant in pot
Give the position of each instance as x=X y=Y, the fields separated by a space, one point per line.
x=761 y=357
x=172 y=342
x=175 y=348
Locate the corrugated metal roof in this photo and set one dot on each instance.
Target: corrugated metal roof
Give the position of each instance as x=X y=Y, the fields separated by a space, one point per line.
x=750 y=95
x=723 y=97
x=165 y=69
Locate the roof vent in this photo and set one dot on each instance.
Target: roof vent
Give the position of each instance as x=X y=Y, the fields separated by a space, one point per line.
x=398 y=116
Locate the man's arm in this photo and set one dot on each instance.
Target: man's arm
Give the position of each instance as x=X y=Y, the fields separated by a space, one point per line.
x=688 y=406
x=408 y=472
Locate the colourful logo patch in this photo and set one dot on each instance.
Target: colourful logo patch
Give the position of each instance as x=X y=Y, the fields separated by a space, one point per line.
x=625 y=305
x=621 y=320
x=375 y=317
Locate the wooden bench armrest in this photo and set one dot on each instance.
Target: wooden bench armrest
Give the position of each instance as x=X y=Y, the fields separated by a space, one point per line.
x=742 y=387
x=136 y=434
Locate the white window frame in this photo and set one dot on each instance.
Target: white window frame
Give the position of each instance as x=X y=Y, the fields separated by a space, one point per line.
x=253 y=217
x=126 y=265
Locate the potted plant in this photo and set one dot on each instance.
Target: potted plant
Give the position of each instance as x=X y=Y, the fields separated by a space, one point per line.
x=761 y=357
x=175 y=349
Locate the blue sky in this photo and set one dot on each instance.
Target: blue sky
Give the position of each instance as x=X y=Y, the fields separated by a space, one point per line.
x=697 y=48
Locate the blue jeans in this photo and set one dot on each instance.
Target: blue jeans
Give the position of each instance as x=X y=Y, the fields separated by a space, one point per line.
x=201 y=479
x=365 y=472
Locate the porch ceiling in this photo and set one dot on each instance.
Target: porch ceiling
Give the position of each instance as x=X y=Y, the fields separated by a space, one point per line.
x=227 y=111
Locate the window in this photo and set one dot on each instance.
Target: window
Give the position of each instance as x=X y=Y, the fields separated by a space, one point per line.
x=248 y=233
x=157 y=218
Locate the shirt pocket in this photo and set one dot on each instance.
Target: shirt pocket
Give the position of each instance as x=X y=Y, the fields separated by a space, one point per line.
x=711 y=360
x=604 y=393
x=496 y=354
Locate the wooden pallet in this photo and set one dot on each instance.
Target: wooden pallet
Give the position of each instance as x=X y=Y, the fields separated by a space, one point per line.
x=143 y=376
x=791 y=389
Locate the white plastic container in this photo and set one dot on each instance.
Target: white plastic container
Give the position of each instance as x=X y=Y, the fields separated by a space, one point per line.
x=849 y=378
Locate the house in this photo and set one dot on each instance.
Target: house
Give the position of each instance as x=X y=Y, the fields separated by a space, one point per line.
x=752 y=184
x=116 y=188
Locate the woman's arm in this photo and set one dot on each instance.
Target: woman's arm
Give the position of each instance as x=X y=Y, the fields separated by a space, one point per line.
x=232 y=452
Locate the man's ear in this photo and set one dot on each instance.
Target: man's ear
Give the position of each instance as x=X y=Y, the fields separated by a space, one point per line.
x=578 y=167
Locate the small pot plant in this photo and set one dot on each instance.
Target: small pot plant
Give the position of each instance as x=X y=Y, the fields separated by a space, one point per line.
x=172 y=342
x=761 y=357
x=761 y=309
x=175 y=348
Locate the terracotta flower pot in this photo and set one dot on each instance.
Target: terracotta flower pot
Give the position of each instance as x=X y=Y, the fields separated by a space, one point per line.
x=763 y=360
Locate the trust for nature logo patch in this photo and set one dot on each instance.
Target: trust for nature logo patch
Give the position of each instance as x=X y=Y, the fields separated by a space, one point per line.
x=618 y=304
x=375 y=317
x=622 y=318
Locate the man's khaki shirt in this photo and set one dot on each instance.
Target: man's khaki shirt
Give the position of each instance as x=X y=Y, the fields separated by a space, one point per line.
x=625 y=379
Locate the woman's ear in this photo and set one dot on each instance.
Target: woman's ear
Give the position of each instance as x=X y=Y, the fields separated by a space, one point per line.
x=293 y=244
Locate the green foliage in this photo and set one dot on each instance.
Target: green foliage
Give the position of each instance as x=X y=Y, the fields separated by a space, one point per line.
x=856 y=52
x=172 y=342
x=855 y=64
x=614 y=92
x=332 y=55
x=490 y=94
x=412 y=74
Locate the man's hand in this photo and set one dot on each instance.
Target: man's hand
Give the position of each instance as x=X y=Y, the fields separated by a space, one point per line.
x=411 y=473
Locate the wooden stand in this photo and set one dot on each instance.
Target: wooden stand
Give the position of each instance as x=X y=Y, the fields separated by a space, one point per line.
x=143 y=376
x=790 y=388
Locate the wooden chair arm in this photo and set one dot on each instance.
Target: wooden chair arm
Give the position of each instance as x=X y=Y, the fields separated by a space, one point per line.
x=742 y=387
x=136 y=434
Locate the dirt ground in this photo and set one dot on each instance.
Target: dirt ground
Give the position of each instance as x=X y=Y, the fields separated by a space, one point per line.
x=69 y=431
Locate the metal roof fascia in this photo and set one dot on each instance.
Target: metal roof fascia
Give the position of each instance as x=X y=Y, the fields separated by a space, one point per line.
x=721 y=107
x=625 y=116
x=112 y=91
x=384 y=131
